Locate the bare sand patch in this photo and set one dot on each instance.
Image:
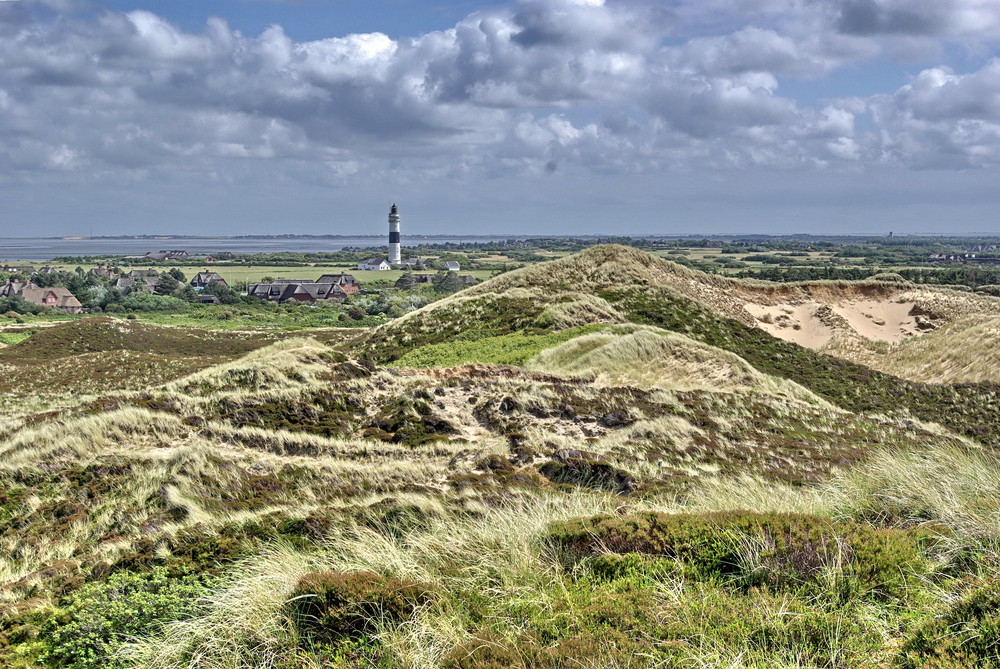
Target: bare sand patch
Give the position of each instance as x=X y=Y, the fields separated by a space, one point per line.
x=801 y=323
x=813 y=323
x=879 y=320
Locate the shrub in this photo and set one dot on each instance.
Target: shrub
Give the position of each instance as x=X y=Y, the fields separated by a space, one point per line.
x=91 y=623
x=967 y=635
x=774 y=550
x=892 y=277
x=589 y=474
x=597 y=648
x=328 y=606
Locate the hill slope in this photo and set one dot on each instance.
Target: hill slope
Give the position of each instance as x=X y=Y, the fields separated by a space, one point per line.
x=598 y=462
x=626 y=285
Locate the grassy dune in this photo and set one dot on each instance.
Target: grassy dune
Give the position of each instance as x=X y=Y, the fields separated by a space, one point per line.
x=595 y=463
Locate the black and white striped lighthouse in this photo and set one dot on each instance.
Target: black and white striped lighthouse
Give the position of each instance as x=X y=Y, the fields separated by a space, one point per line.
x=394 y=254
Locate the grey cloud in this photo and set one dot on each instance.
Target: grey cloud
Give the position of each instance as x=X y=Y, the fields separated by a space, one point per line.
x=949 y=18
x=868 y=17
x=576 y=83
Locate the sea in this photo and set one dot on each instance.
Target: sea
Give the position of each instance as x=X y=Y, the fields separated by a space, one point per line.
x=41 y=249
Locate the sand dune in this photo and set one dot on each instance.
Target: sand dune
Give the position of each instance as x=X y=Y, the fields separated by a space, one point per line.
x=813 y=324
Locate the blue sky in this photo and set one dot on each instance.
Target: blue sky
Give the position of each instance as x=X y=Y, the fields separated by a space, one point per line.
x=527 y=116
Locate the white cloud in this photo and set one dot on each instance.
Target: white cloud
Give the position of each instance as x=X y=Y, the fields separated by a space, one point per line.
x=536 y=87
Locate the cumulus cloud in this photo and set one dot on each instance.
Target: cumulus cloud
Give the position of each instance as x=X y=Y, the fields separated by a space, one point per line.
x=942 y=119
x=532 y=87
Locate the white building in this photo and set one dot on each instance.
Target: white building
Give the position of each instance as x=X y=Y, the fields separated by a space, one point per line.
x=374 y=264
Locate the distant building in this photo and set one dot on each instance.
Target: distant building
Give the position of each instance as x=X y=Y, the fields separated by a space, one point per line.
x=167 y=255
x=55 y=298
x=374 y=264
x=452 y=266
x=127 y=284
x=305 y=291
x=18 y=269
x=105 y=271
x=203 y=279
x=339 y=279
x=466 y=280
x=12 y=288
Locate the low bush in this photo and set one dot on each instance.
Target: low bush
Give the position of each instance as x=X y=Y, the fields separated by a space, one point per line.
x=967 y=635
x=751 y=549
x=589 y=474
x=328 y=606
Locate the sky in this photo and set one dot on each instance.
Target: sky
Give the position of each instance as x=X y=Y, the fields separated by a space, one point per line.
x=522 y=117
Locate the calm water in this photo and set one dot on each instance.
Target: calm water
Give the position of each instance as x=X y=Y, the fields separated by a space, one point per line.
x=28 y=249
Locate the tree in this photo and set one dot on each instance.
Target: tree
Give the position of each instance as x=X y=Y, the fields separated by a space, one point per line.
x=177 y=274
x=406 y=282
x=188 y=293
x=45 y=280
x=447 y=282
x=167 y=285
x=225 y=294
x=18 y=305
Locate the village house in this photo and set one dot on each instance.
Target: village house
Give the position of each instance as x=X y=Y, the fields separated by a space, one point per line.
x=55 y=298
x=452 y=266
x=206 y=278
x=374 y=264
x=466 y=279
x=348 y=284
x=283 y=290
x=11 y=288
x=126 y=284
x=104 y=271
x=142 y=273
x=18 y=269
x=167 y=255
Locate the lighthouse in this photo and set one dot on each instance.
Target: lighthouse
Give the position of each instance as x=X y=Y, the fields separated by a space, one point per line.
x=394 y=255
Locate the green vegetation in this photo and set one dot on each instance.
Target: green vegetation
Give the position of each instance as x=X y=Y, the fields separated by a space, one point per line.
x=13 y=337
x=89 y=624
x=970 y=409
x=510 y=349
x=598 y=462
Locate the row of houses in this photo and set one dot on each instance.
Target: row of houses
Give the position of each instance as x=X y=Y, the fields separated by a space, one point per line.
x=465 y=279
x=966 y=258
x=27 y=269
x=56 y=297
x=181 y=254
x=327 y=287
x=381 y=264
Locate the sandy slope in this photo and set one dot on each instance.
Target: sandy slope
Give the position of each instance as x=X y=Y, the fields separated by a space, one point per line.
x=813 y=324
